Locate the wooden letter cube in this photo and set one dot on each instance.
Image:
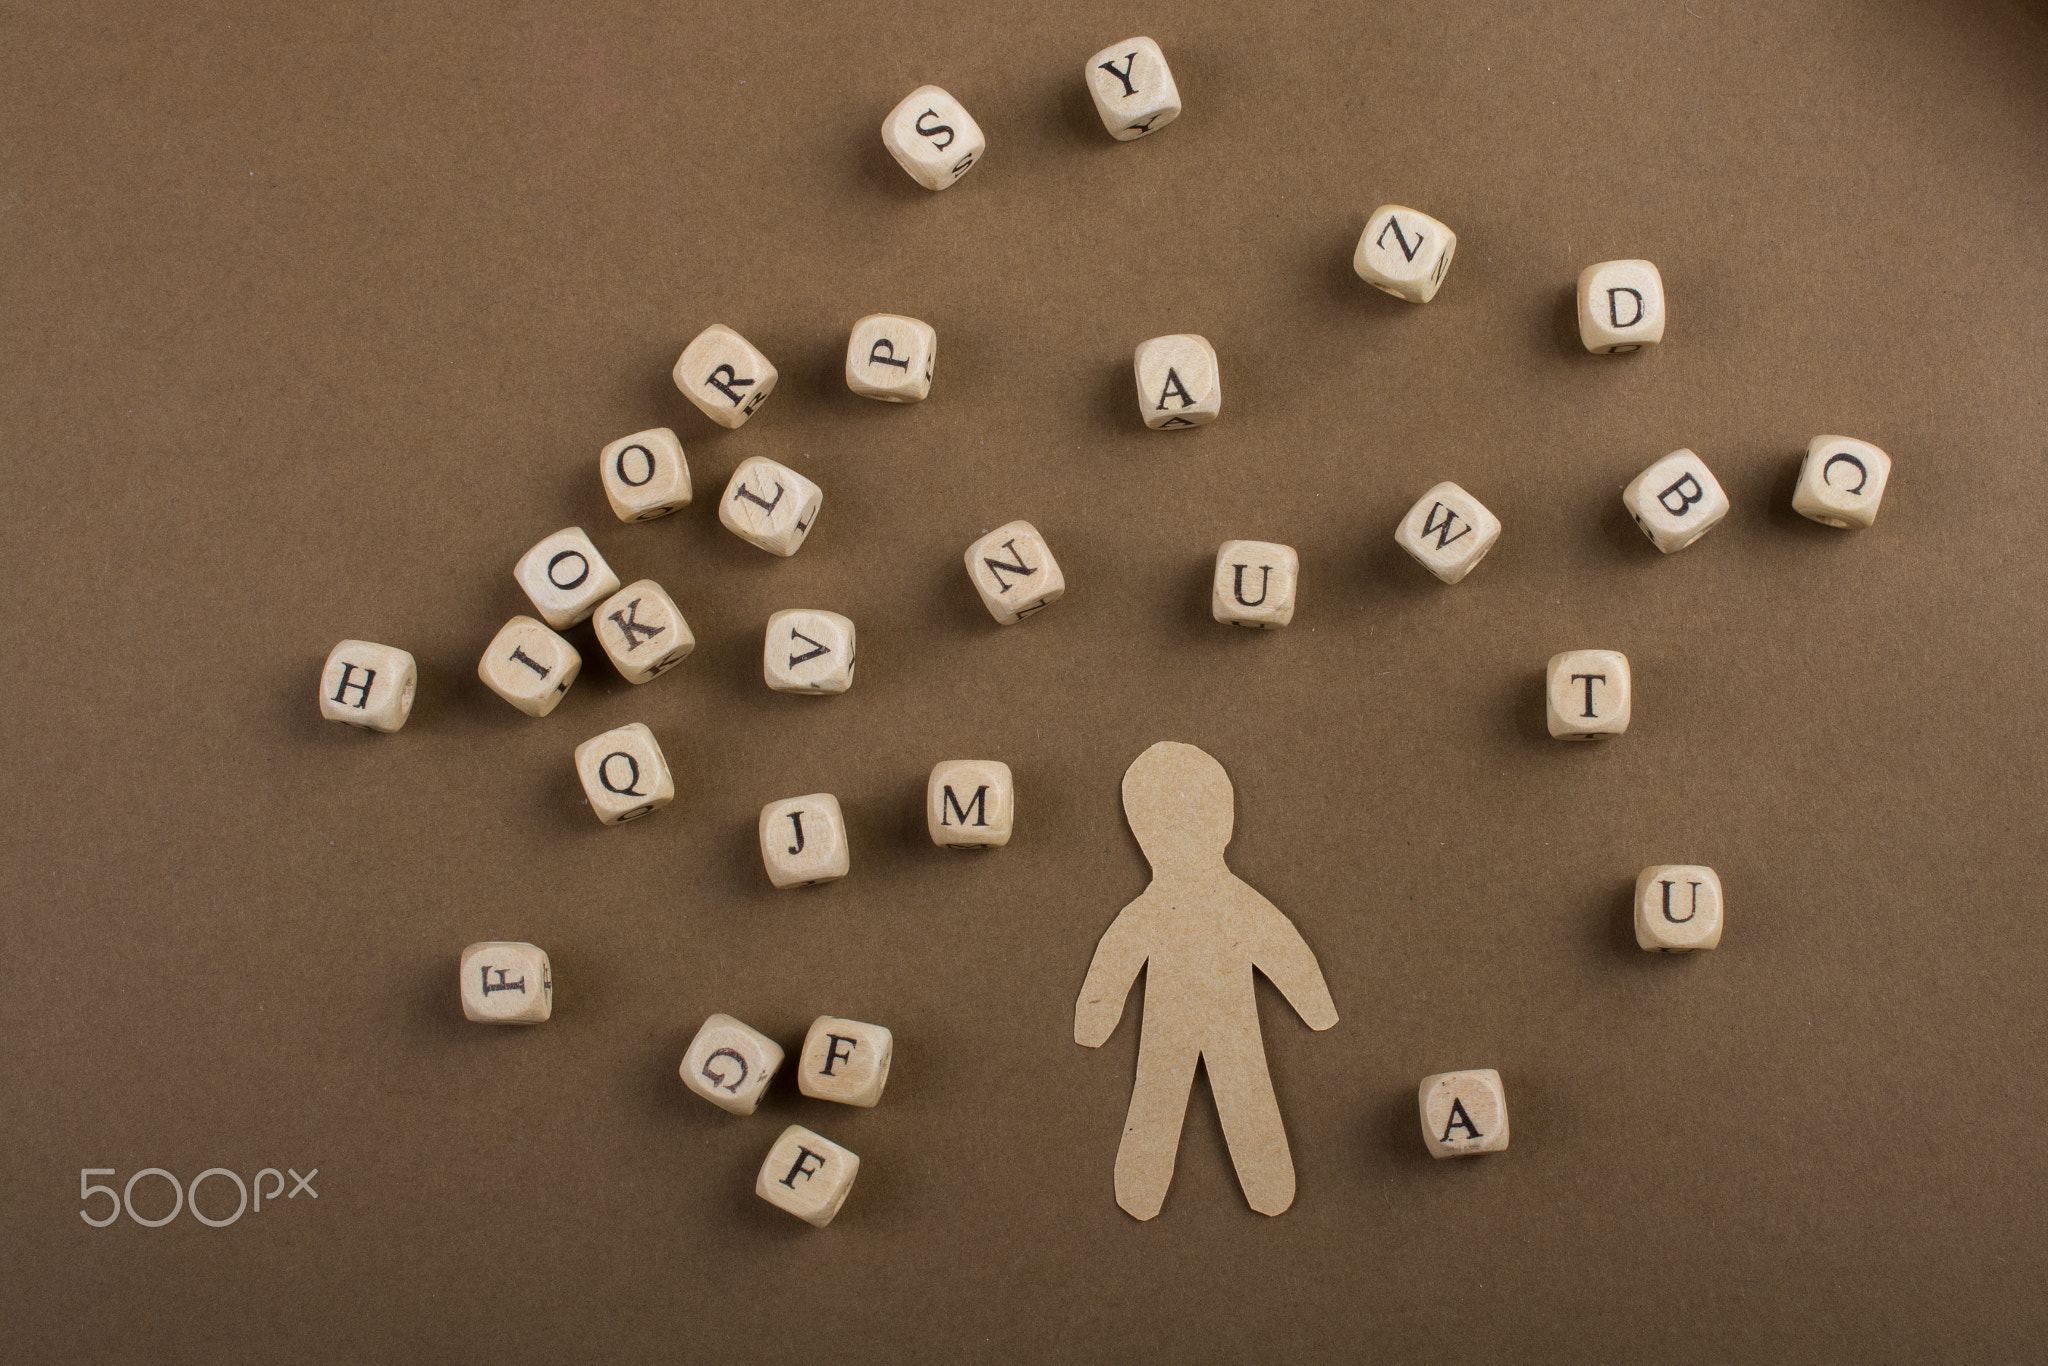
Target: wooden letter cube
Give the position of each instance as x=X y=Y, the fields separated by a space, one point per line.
x=643 y=631
x=1675 y=501
x=368 y=685
x=506 y=983
x=808 y=651
x=529 y=666
x=890 y=358
x=1133 y=89
x=1255 y=583
x=803 y=840
x=932 y=138
x=1179 y=384
x=565 y=577
x=730 y=1064
x=722 y=373
x=970 y=804
x=1404 y=253
x=1678 y=908
x=770 y=505
x=1464 y=1113
x=624 y=774
x=807 y=1175
x=1013 y=569
x=1841 y=482
x=645 y=475
x=845 y=1060
x=1621 y=306
x=1448 y=531
x=1586 y=693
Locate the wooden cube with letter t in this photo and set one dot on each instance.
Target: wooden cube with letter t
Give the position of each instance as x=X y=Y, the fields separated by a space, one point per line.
x=808 y=1175
x=970 y=804
x=1587 y=693
x=846 y=1061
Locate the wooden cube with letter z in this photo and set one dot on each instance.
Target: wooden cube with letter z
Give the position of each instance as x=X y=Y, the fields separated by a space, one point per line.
x=808 y=1175
x=624 y=774
x=730 y=1064
x=970 y=804
x=1404 y=253
x=506 y=983
x=1013 y=570
x=846 y=1061
x=1464 y=1113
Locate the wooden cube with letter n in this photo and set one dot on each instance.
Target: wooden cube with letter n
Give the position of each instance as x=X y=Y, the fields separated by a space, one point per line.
x=1014 y=572
x=970 y=804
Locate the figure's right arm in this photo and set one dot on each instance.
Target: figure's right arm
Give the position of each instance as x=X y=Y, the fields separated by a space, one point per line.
x=1123 y=950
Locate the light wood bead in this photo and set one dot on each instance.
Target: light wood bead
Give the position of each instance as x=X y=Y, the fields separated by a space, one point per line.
x=645 y=475
x=808 y=651
x=1579 y=682
x=730 y=1064
x=1448 y=532
x=724 y=375
x=624 y=773
x=845 y=1061
x=1133 y=88
x=1255 y=584
x=807 y=1175
x=770 y=505
x=970 y=804
x=565 y=577
x=1179 y=382
x=529 y=666
x=1014 y=572
x=890 y=357
x=506 y=982
x=1675 y=501
x=803 y=840
x=368 y=686
x=1841 y=482
x=1404 y=252
x=1678 y=908
x=1621 y=307
x=932 y=138
x=643 y=631
x=1464 y=1113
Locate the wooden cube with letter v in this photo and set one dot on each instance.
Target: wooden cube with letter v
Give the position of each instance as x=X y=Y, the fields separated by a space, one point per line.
x=506 y=983
x=808 y=651
x=846 y=1061
x=970 y=804
x=1013 y=570
x=808 y=1175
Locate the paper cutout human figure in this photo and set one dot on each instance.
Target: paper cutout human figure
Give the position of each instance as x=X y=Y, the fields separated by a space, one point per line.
x=1198 y=931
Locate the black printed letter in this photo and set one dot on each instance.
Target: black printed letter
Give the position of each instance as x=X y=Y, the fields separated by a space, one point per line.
x=1589 y=688
x=1130 y=61
x=629 y=622
x=732 y=385
x=1265 y=579
x=1684 y=500
x=875 y=356
x=934 y=131
x=1174 y=386
x=1614 y=310
x=631 y=789
x=363 y=695
x=1017 y=566
x=1443 y=528
x=949 y=805
x=1460 y=1120
x=1862 y=473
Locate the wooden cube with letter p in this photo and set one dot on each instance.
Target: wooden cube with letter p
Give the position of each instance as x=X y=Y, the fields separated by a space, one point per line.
x=722 y=373
x=970 y=804
x=890 y=357
x=506 y=983
x=1464 y=1113
x=624 y=774
x=730 y=1064
x=807 y=1175
x=1678 y=908
x=1013 y=570
x=846 y=1061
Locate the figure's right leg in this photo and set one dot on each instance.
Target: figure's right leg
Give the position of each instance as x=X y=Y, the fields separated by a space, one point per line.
x=1159 y=1102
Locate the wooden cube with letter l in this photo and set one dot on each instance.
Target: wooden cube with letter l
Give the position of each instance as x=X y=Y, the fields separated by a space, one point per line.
x=970 y=804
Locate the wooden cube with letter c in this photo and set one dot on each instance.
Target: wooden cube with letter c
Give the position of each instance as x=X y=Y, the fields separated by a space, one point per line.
x=506 y=982
x=970 y=804
x=1841 y=481
x=1013 y=570
x=807 y=1175
x=803 y=840
x=1464 y=1113
x=730 y=1064
x=890 y=357
x=1678 y=908
x=625 y=774
x=845 y=1060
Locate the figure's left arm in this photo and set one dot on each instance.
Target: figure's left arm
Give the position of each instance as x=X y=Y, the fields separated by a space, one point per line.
x=1279 y=951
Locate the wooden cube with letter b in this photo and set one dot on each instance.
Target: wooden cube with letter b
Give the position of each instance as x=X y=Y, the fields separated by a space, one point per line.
x=846 y=1061
x=970 y=804
x=1464 y=1113
x=807 y=1175
x=1013 y=570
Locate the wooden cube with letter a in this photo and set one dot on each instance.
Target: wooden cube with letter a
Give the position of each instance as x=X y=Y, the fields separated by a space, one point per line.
x=506 y=983
x=803 y=840
x=1254 y=584
x=1014 y=572
x=846 y=1061
x=1678 y=908
x=1180 y=384
x=807 y=1175
x=890 y=357
x=1464 y=1113
x=730 y=1064
x=970 y=804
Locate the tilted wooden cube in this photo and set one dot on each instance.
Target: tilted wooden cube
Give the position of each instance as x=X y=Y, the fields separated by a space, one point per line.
x=1841 y=482
x=368 y=686
x=624 y=774
x=932 y=138
x=730 y=1064
x=1678 y=908
x=724 y=375
x=808 y=651
x=565 y=577
x=1587 y=693
x=1132 y=88
x=506 y=983
x=970 y=804
x=529 y=666
x=643 y=631
x=770 y=505
x=1621 y=307
x=807 y=1175
x=645 y=475
x=1013 y=570
x=845 y=1061
x=1404 y=252
x=1464 y=1113
x=1180 y=384
x=890 y=357
x=803 y=840
x=1675 y=501
x=1254 y=584
x=1448 y=532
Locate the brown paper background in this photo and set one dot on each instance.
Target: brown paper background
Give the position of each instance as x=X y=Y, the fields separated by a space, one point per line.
x=316 y=316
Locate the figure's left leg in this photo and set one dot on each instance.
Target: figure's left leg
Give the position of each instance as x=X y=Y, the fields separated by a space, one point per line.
x=1251 y=1120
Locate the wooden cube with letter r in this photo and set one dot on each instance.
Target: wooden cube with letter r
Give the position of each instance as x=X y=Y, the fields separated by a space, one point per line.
x=970 y=804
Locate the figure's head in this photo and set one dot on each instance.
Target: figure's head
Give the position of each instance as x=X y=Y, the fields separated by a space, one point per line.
x=1179 y=803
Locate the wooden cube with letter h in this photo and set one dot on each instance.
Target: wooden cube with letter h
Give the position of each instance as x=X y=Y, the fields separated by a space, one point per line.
x=368 y=686
x=970 y=804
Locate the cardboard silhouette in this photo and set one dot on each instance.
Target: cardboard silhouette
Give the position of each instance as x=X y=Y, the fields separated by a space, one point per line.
x=1198 y=931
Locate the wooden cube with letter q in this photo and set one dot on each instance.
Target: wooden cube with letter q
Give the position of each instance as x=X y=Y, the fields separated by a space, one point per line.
x=846 y=1061
x=624 y=773
x=970 y=804
x=808 y=1175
